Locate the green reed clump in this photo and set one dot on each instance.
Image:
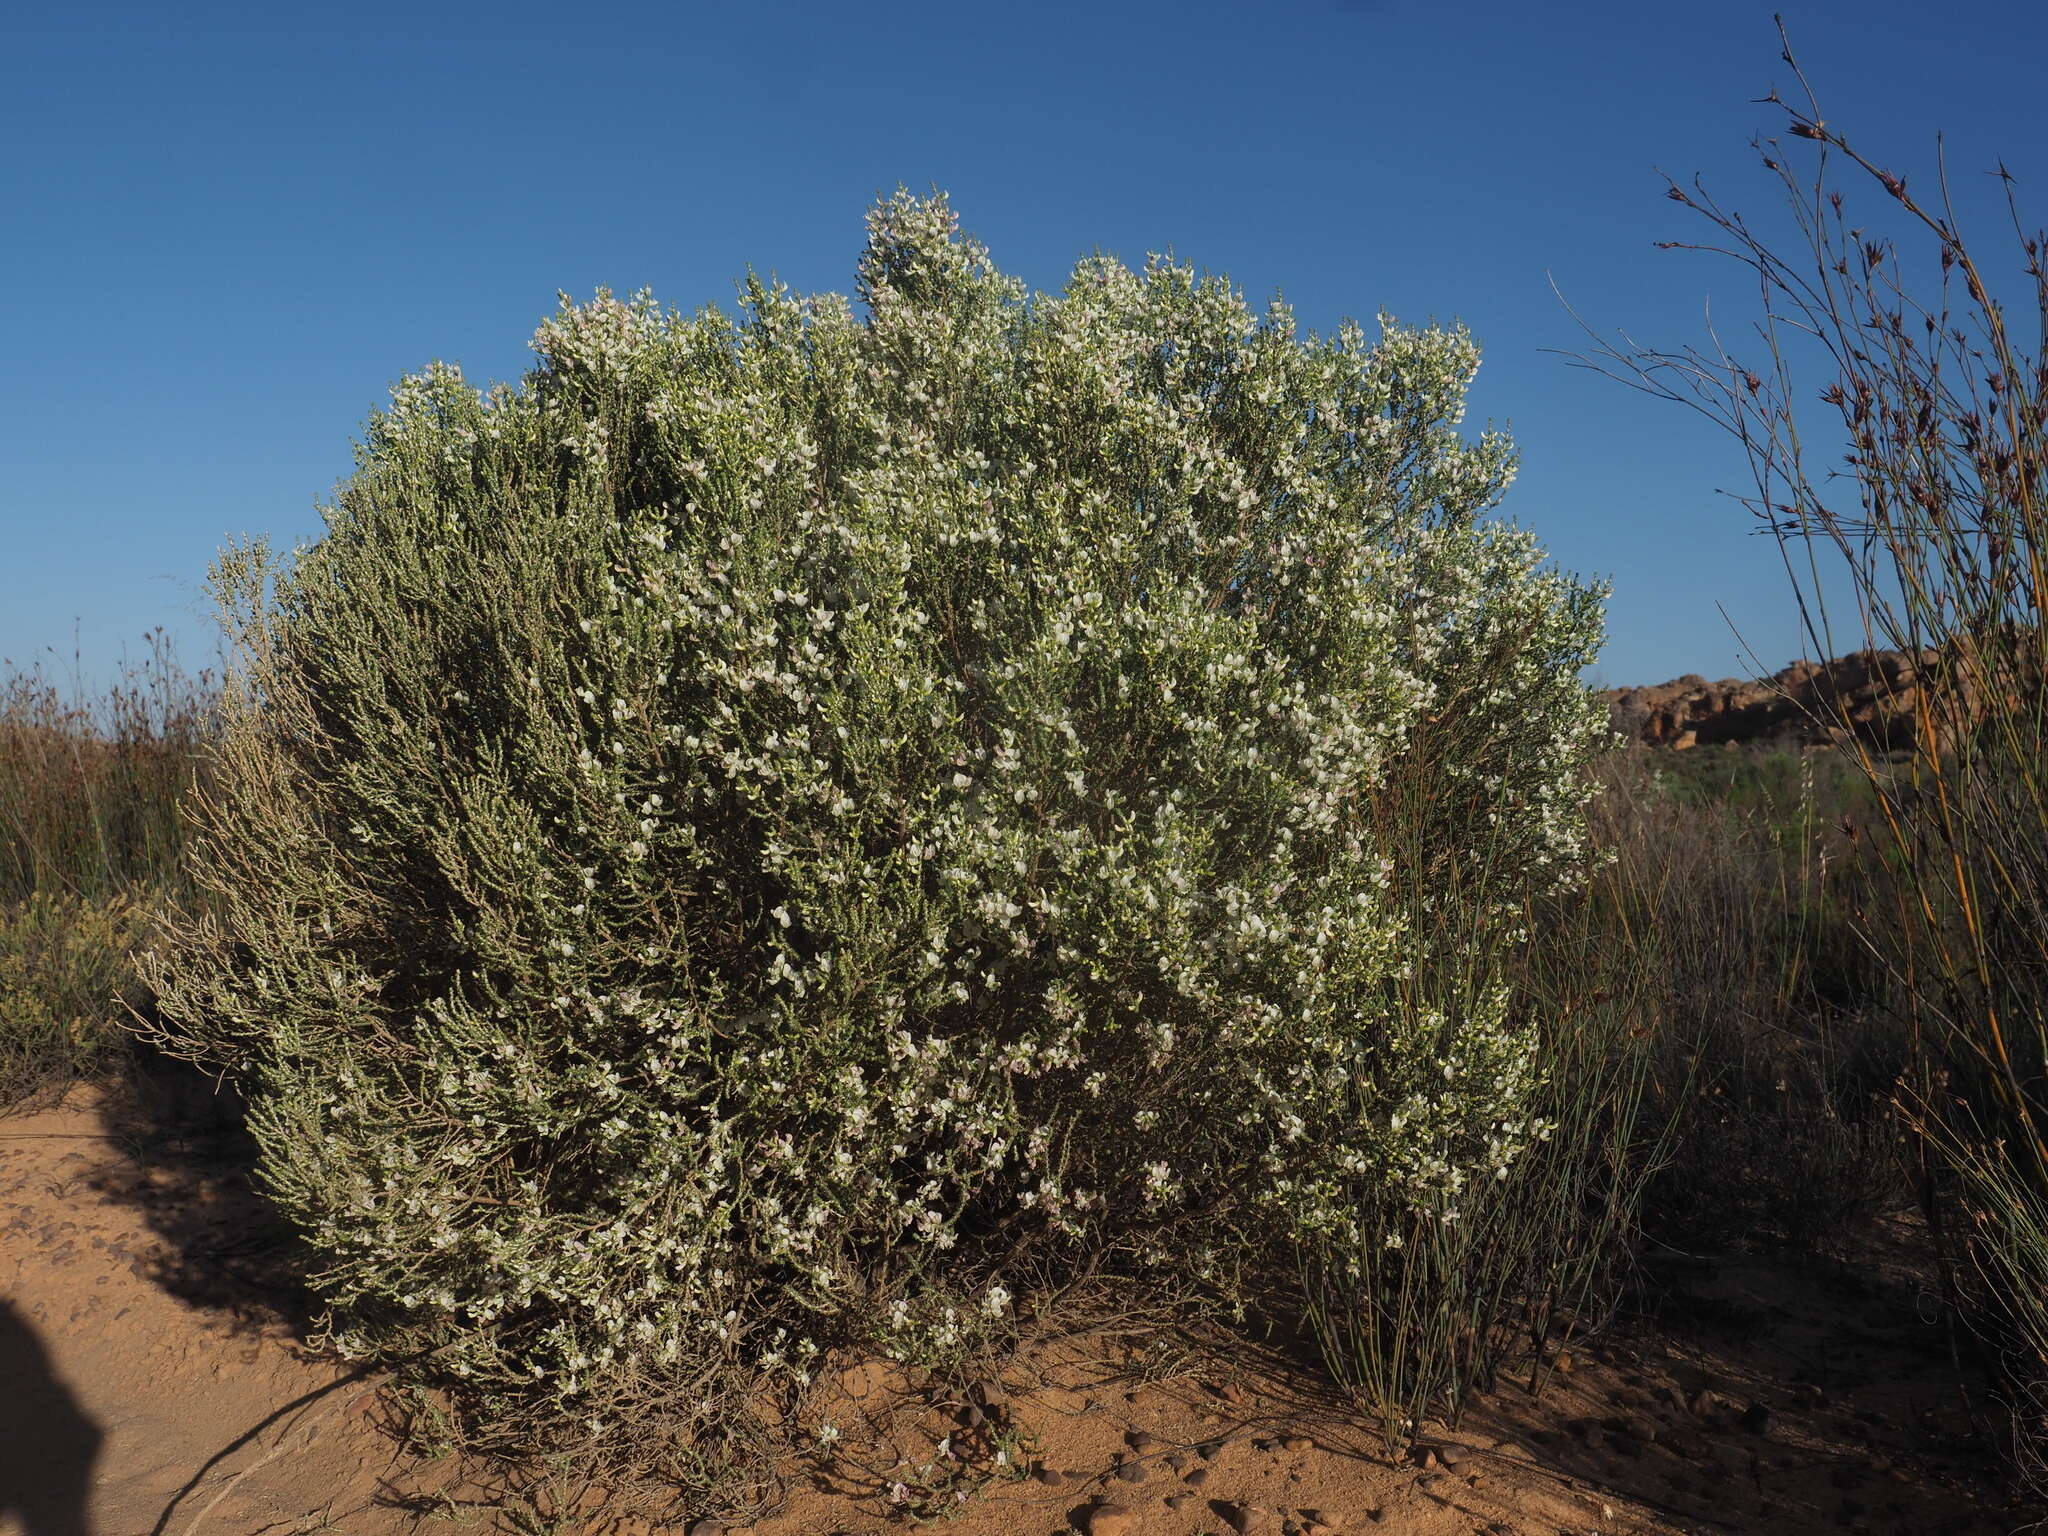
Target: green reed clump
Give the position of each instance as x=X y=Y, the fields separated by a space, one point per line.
x=91 y=842
x=1421 y=1302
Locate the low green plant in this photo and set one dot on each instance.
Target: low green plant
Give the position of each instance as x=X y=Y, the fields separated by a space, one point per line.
x=90 y=844
x=65 y=976
x=783 y=833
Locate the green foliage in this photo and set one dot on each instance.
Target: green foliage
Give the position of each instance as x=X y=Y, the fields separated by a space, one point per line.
x=64 y=978
x=794 y=830
x=1414 y=1304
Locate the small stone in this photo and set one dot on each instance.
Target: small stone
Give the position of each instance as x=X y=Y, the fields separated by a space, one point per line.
x=1643 y=1429
x=1049 y=1477
x=1109 y=1520
x=1138 y=1440
x=1701 y=1404
x=1452 y=1455
x=1322 y=1517
x=1231 y=1392
x=1564 y=1362
x=1177 y=1462
x=1199 y=1478
x=1242 y=1518
x=1262 y=1445
x=1756 y=1418
x=705 y=1527
x=973 y=1416
x=1208 y=1448
x=1298 y=1443
x=1179 y=1501
x=988 y=1393
x=1133 y=1472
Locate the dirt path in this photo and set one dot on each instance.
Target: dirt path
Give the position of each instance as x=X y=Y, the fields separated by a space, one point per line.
x=151 y=1384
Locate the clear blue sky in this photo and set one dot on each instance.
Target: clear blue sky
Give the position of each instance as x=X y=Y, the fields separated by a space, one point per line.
x=228 y=228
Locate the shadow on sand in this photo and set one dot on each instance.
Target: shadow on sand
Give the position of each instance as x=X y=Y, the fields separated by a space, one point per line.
x=47 y=1444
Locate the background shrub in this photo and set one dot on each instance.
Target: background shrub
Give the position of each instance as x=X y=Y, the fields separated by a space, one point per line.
x=91 y=841
x=798 y=830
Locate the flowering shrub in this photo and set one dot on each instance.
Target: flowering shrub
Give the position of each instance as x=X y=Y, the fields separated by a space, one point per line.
x=784 y=831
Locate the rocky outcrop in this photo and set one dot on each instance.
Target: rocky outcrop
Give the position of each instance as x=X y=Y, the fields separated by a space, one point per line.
x=1872 y=695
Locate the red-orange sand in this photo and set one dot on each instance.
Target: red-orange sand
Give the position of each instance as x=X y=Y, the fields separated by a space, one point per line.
x=151 y=1384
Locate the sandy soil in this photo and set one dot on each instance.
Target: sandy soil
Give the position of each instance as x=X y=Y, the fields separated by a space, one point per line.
x=151 y=1381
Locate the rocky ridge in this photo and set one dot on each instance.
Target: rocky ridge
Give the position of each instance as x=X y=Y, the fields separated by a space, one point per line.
x=1873 y=696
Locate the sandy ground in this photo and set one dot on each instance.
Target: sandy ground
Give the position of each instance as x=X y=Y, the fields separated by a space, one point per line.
x=151 y=1381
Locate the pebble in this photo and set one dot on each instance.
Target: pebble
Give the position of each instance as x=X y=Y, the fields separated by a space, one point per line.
x=1179 y=1501
x=1242 y=1518
x=1177 y=1462
x=1322 y=1517
x=1199 y=1478
x=1207 y=1449
x=1049 y=1477
x=1138 y=1440
x=705 y=1527
x=1134 y=1472
x=1109 y=1520
x=988 y=1393
x=1756 y=1418
x=1298 y=1443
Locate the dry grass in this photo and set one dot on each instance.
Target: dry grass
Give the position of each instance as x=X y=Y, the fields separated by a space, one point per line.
x=90 y=845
